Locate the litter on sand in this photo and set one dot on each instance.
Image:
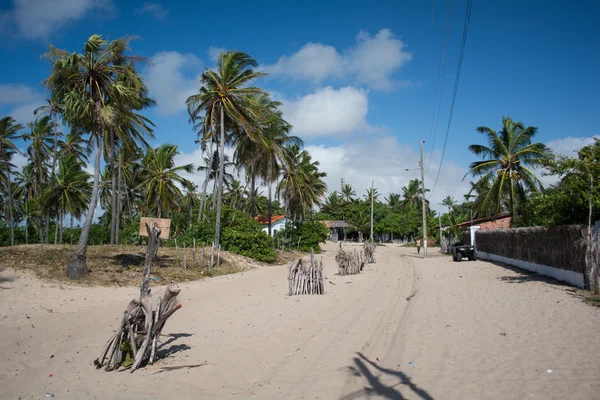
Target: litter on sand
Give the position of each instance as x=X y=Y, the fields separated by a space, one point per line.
x=549 y=371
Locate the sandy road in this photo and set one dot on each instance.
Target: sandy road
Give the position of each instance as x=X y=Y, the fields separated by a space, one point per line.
x=404 y=328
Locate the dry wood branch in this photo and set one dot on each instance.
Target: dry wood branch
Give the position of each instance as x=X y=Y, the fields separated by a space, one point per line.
x=349 y=263
x=369 y=250
x=306 y=277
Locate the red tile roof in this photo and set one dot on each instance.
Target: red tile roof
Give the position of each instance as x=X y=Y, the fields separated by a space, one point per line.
x=264 y=219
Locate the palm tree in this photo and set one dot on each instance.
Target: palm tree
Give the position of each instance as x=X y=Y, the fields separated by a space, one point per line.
x=74 y=146
x=506 y=162
x=52 y=109
x=213 y=162
x=393 y=200
x=348 y=193
x=333 y=204
x=39 y=154
x=301 y=185
x=371 y=193
x=159 y=178
x=265 y=157
x=225 y=95
x=190 y=199
x=8 y=133
x=412 y=194
x=89 y=86
x=449 y=202
x=235 y=194
x=70 y=189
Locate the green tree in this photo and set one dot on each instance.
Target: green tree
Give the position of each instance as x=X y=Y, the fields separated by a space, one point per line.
x=89 y=86
x=506 y=163
x=159 y=178
x=8 y=134
x=225 y=94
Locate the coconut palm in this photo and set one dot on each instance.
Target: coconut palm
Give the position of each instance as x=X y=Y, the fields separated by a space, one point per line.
x=159 y=178
x=301 y=184
x=348 y=193
x=235 y=194
x=211 y=168
x=506 y=163
x=412 y=194
x=449 y=202
x=69 y=189
x=89 y=86
x=190 y=199
x=39 y=153
x=393 y=200
x=333 y=204
x=8 y=134
x=52 y=109
x=266 y=157
x=225 y=94
x=74 y=146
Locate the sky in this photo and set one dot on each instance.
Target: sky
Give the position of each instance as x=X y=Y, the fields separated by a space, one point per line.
x=360 y=84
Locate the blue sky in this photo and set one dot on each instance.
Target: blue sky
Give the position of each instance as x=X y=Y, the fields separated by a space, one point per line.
x=357 y=82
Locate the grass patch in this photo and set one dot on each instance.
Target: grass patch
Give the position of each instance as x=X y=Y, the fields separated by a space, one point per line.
x=591 y=299
x=119 y=265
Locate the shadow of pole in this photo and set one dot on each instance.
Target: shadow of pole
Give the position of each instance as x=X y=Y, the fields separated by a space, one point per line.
x=376 y=387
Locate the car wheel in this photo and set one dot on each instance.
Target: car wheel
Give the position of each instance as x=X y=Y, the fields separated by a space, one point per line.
x=458 y=257
x=474 y=257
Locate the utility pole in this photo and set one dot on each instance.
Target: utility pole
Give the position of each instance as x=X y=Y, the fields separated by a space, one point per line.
x=440 y=224
x=423 y=200
x=372 y=196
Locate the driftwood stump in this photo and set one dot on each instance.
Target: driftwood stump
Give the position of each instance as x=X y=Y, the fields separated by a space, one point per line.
x=306 y=277
x=349 y=263
x=369 y=250
x=135 y=341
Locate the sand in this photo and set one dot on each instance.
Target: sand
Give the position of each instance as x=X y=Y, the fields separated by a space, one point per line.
x=406 y=328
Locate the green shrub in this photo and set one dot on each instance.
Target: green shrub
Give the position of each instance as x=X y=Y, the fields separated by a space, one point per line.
x=309 y=233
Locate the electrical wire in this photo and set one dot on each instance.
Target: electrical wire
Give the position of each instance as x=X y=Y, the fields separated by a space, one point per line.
x=456 y=81
x=445 y=35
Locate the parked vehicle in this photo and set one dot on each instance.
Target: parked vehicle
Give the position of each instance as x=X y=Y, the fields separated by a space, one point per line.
x=461 y=250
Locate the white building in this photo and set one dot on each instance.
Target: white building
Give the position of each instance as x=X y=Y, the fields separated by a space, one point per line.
x=277 y=223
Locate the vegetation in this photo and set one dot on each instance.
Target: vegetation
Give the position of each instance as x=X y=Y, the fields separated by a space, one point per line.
x=98 y=98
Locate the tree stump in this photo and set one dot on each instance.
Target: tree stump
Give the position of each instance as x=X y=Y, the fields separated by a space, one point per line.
x=135 y=341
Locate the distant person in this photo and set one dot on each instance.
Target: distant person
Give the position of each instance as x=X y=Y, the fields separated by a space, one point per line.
x=418 y=246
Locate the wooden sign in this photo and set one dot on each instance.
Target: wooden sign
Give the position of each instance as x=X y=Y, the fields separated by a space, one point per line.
x=164 y=225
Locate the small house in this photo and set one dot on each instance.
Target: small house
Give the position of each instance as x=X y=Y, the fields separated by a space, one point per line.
x=336 y=229
x=277 y=223
x=500 y=221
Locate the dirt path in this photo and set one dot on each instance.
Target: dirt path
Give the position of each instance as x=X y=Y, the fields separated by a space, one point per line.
x=404 y=328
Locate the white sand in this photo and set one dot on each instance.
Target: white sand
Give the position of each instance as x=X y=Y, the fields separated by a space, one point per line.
x=362 y=339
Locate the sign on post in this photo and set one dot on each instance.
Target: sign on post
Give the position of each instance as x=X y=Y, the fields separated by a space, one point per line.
x=163 y=224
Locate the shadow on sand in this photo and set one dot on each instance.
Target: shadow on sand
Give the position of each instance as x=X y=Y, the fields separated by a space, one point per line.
x=164 y=351
x=524 y=276
x=376 y=388
x=6 y=279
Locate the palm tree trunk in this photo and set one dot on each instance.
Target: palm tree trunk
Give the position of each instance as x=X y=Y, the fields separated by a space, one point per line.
x=221 y=170
x=10 y=205
x=269 y=208
x=113 y=184
x=252 y=195
x=512 y=199
x=56 y=227
x=119 y=207
x=590 y=282
x=77 y=265
x=61 y=216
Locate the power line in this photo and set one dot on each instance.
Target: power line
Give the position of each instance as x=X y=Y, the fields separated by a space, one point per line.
x=448 y=19
x=456 y=81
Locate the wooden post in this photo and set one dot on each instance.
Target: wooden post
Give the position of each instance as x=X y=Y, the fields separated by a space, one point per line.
x=194 y=255
x=184 y=256
x=219 y=256
x=212 y=255
x=202 y=259
x=176 y=248
x=153 y=238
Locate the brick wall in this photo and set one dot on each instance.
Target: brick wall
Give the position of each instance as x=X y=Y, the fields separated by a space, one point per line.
x=500 y=223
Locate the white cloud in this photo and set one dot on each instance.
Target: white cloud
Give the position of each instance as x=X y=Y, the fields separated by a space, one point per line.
x=37 y=19
x=171 y=78
x=328 y=112
x=383 y=160
x=371 y=62
x=214 y=52
x=568 y=146
x=153 y=9
x=20 y=101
